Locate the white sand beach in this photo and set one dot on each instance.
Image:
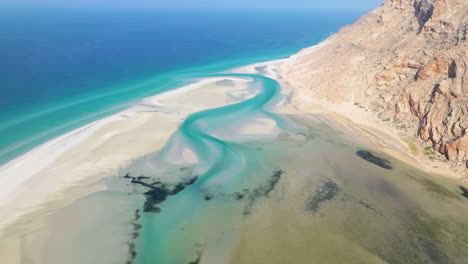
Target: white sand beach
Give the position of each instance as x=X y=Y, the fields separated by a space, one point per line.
x=66 y=168
x=70 y=166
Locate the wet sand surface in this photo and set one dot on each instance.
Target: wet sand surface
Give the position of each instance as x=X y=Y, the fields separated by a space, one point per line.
x=308 y=197
x=314 y=197
x=311 y=190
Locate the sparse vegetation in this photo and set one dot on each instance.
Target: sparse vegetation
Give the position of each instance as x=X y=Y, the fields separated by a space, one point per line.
x=412 y=146
x=428 y=151
x=358 y=105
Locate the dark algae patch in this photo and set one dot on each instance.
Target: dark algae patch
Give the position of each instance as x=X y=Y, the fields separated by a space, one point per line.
x=132 y=252
x=370 y=207
x=423 y=239
x=239 y=195
x=131 y=246
x=195 y=261
x=435 y=187
x=153 y=198
x=274 y=179
x=368 y=156
x=261 y=191
x=159 y=194
x=208 y=196
x=429 y=232
x=159 y=191
x=326 y=192
x=464 y=191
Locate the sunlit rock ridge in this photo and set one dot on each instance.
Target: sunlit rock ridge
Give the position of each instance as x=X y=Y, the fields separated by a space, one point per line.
x=406 y=62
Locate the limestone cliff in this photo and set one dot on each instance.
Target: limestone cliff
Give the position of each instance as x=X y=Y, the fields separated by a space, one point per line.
x=406 y=61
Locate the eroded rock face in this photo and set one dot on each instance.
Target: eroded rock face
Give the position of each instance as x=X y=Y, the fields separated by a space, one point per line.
x=407 y=62
x=438 y=66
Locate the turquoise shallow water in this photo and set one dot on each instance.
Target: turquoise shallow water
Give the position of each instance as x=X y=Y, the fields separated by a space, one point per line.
x=220 y=162
x=63 y=68
x=304 y=196
x=308 y=180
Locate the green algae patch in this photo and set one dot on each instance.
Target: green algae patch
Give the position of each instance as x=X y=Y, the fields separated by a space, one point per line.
x=411 y=146
x=435 y=187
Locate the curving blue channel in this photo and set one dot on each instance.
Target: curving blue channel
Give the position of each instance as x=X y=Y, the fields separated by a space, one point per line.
x=202 y=143
x=228 y=165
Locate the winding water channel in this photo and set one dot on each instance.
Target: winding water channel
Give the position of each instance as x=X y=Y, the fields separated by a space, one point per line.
x=308 y=194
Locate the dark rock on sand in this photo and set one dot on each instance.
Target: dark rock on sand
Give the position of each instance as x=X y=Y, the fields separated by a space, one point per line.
x=368 y=156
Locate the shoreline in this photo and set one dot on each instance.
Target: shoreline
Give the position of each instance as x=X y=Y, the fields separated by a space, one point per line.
x=42 y=165
x=412 y=147
x=78 y=135
x=365 y=119
x=141 y=124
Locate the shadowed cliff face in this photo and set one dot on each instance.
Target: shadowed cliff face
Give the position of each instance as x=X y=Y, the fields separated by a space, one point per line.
x=407 y=62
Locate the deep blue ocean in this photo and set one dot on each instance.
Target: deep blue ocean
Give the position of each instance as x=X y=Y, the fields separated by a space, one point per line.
x=61 y=68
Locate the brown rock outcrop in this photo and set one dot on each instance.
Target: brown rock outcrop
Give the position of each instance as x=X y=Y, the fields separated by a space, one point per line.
x=436 y=66
x=406 y=61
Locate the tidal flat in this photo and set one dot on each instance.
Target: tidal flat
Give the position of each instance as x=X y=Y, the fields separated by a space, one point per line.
x=301 y=188
x=309 y=197
x=306 y=196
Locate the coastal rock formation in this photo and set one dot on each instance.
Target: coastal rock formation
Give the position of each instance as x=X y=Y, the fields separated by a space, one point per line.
x=407 y=62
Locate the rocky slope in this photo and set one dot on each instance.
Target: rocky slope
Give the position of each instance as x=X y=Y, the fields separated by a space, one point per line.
x=406 y=62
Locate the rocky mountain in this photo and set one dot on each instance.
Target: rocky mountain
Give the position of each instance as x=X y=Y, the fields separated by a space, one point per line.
x=406 y=62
